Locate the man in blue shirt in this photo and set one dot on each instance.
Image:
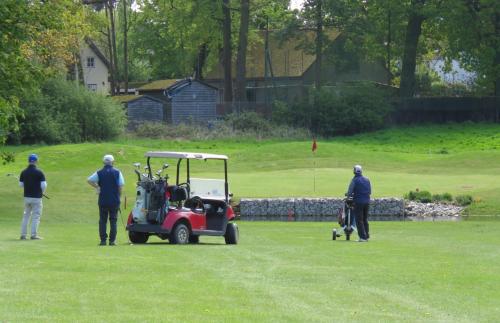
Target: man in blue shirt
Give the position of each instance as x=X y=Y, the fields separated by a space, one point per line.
x=108 y=183
x=33 y=181
x=360 y=189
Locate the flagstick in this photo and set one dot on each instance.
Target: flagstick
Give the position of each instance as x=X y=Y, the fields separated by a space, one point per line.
x=314 y=172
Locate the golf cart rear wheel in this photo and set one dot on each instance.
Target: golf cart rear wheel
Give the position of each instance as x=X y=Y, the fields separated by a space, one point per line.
x=138 y=237
x=180 y=234
x=348 y=236
x=232 y=233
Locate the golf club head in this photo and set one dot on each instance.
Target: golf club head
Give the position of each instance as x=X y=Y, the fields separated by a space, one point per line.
x=165 y=166
x=146 y=167
x=137 y=165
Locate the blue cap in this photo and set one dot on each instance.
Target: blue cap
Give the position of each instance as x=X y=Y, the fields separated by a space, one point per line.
x=32 y=158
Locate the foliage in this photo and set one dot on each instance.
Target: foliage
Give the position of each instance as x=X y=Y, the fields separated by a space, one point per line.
x=471 y=35
x=464 y=200
x=445 y=197
x=419 y=196
x=38 y=40
x=64 y=112
x=233 y=126
x=347 y=109
x=7 y=157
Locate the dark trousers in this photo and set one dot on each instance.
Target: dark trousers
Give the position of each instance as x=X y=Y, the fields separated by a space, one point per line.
x=361 y=215
x=106 y=212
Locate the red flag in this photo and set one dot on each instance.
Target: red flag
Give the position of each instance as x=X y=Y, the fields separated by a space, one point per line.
x=315 y=146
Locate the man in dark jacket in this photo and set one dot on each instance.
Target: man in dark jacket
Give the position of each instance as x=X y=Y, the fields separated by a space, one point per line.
x=108 y=183
x=33 y=181
x=360 y=189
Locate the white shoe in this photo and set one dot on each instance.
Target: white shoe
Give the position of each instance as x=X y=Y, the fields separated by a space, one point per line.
x=362 y=240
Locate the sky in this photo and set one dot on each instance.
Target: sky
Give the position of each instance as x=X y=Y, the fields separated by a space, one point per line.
x=296 y=4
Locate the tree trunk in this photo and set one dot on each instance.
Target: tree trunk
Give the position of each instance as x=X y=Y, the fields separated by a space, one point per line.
x=241 y=58
x=226 y=31
x=110 y=49
x=200 y=62
x=389 y=43
x=319 y=44
x=125 y=46
x=413 y=31
x=113 y=42
x=497 y=56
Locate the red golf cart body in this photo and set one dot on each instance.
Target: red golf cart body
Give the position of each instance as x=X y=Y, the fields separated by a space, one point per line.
x=189 y=212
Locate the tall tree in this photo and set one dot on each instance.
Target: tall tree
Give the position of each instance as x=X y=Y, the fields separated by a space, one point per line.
x=241 y=57
x=471 y=32
x=413 y=31
x=227 y=51
x=125 y=46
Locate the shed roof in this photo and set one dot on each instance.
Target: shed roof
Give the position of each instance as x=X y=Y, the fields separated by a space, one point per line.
x=157 y=85
x=126 y=98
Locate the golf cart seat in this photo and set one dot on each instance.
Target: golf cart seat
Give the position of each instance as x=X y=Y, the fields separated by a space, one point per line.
x=177 y=194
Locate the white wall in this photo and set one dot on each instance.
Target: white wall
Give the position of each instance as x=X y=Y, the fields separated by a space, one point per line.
x=95 y=78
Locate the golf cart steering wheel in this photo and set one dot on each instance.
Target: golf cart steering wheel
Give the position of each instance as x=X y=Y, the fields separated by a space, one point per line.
x=186 y=186
x=196 y=203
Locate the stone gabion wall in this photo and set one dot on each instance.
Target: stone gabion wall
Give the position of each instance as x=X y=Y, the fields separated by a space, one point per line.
x=312 y=209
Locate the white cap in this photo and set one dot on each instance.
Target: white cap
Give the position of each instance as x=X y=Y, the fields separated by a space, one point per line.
x=357 y=169
x=108 y=159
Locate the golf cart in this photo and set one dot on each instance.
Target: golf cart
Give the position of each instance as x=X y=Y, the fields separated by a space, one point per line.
x=345 y=220
x=184 y=211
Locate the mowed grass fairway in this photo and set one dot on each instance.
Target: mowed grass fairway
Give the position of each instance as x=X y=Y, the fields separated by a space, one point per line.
x=279 y=271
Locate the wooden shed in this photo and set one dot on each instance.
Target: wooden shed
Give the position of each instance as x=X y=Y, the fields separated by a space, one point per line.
x=192 y=100
x=146 y=108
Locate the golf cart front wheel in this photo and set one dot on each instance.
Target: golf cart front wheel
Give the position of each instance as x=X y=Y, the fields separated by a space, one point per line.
x=348 y=236
x=138 y=237
x=232 y=233
x=180 y=234
x=334 y=235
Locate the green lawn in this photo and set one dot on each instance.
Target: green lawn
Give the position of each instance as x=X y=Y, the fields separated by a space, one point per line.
x=279 y=271
x=288 y=272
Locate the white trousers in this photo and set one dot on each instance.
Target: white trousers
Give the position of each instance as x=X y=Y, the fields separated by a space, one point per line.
x=32 y=208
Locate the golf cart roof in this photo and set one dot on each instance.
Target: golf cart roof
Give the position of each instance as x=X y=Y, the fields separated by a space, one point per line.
x=183 y=155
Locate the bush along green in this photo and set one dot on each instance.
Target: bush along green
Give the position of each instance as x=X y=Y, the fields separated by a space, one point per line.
x=445 y=197
x=341 y=110
x=64 y=112
x=464 y=200
x=419 y=196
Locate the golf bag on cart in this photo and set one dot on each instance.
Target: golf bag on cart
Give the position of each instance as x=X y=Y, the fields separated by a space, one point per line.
x=151 y=202
x=346 y=220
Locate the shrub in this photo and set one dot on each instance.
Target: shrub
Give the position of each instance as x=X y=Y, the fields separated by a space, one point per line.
x=63 y=112
x=338 y=111
x=445 y=197
x=233 y=126
x=420 y=196
x=464 y=200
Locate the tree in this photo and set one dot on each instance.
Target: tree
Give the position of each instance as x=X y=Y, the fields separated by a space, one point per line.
x=39 y=40
x=242 y=51
x=227 y=51
x=471 y=30
x=413 y=31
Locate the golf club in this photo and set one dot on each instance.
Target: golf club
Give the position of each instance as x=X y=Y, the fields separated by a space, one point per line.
x=14 y=176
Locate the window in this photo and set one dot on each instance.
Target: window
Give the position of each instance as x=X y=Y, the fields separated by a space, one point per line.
x=90 y=62
x=92 y=87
